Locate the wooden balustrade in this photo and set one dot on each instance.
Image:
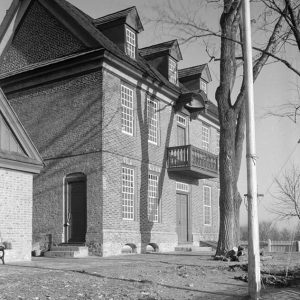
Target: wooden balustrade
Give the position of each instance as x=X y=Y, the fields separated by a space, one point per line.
x=196 y=159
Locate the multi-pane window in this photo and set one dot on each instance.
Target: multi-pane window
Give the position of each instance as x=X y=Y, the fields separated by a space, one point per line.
x=181 y=120
x=127 y=193
x=153 y=198
x=205 y=137
x=180 y=186
x=127 y=109
x=203 y=86
x=218 y=143
x=172 y=71
x=207 y=205
x=130 y=43
x=152 y=113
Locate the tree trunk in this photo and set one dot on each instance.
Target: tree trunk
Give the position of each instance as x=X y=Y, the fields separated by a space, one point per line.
x=227 y=236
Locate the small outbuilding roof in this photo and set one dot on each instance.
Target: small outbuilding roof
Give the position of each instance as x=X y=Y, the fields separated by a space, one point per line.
x=17 y=151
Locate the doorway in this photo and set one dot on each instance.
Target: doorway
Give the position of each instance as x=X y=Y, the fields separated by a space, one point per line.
x=182 y=213
x=75 y=208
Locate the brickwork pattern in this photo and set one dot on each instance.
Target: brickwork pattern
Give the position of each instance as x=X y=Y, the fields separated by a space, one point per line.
x=16 y=213
x=66 y=128
x=79 y=130
x=135 y=152
x=31 y=45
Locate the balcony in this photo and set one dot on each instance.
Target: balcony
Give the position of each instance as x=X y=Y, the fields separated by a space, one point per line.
x=192 y=162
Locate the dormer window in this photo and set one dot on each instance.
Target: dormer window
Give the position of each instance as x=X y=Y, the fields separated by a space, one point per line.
x=173 y=76
x=203 y=86
x=130 y=43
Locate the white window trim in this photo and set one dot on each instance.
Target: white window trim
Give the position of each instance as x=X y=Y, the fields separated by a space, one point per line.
x=205 y=142
x=181 y=120
x=217 y=150
x=183 y=187
x=130 y=43
x=173 y=71
x=155 y=120
x=130 y=111
x=154 y=199
x=130 y=173
x=207 y=206
x=203 y=86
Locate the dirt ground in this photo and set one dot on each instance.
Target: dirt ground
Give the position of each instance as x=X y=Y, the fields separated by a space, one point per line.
x=145 y=277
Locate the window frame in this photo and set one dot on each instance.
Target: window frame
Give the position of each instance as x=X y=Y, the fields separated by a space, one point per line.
x=155 y=130
x=127 y=111
x=153 y=201
x=130 y=38
x=206 y=206
x=130 y=196
x=205 y=139
x=173 y=71
x=203 y=86
x=217 y=150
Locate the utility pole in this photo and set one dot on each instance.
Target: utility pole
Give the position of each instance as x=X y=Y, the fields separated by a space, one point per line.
x=254 y=284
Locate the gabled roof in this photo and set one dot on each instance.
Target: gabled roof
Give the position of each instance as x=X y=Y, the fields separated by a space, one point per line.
x=129 y=16
x=195 y=70
x=78 y=22
x=29 y=159
x=169 y=47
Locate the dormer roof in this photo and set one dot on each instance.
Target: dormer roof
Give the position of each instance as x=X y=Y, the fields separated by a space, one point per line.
x=127 y=16
x=170 y=47
x=201 y=70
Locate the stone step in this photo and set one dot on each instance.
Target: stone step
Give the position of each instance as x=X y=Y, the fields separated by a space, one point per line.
x=68 y=248
x=67 y=251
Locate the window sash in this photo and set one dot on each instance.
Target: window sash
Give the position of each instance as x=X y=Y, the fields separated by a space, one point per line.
x=152 y=114
x=127 y=110
x=173 y=77
x=127 y=193
x=203 y=86
x=153 y=205
x=181 y=120
x=205 y=137
x=130 y=43
x=207 y=205
x=218 y=143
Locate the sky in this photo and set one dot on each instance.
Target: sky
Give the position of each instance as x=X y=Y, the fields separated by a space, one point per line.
x=276 y=138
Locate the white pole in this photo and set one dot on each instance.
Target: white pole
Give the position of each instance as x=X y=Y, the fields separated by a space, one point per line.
x=254 y=284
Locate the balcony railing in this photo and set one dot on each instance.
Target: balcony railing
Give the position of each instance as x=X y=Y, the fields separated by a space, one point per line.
x=192 y=161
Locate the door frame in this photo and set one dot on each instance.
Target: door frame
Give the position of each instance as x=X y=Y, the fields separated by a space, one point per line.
x=73 y=177
x=189 y=217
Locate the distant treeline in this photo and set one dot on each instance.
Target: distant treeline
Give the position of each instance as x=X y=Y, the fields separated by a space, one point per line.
x=267 y=230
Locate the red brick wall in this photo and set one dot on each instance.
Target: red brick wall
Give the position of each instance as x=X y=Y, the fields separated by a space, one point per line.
x=64 y=122
x=74 y=132
x=16 y=213
x=32 y=45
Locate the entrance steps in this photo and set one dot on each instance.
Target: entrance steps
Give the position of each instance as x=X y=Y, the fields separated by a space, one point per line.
x=67 y=251
x=190 y=248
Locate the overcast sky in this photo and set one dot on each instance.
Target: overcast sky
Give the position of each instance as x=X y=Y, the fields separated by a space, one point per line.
x=276 y=138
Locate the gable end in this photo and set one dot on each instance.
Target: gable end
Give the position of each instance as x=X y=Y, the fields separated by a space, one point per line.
x=39 y=37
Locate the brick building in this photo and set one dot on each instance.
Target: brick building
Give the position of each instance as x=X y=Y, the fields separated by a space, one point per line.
x=129 y=142
x=19 y=161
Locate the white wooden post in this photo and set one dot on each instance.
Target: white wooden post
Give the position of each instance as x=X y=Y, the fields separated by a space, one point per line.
x=269 y=245
x=254 y=285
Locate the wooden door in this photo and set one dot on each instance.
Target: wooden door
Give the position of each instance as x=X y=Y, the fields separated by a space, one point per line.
x=182 y=217
x=76 y=210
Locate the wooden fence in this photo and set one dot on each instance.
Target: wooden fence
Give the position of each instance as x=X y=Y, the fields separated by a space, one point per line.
x=277 y=246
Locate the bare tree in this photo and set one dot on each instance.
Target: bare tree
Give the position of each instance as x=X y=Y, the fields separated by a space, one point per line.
x=290 y=10
x=230 y=94
x=287 y=198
